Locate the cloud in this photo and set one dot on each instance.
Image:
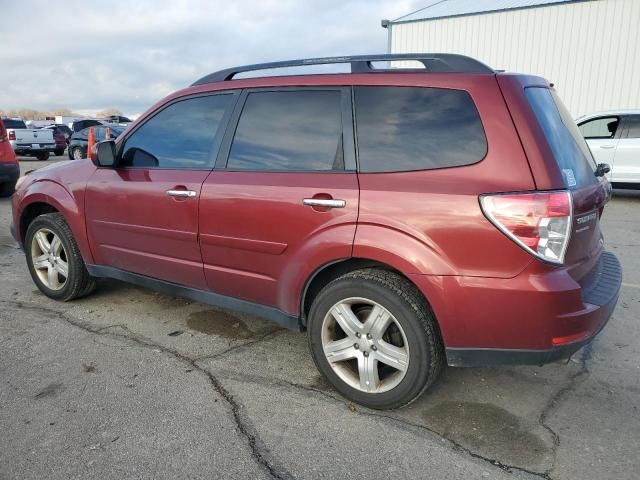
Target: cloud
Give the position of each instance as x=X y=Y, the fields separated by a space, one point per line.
x=88 y=55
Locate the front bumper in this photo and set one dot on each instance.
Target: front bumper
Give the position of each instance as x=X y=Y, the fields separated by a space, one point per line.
x=535 y=318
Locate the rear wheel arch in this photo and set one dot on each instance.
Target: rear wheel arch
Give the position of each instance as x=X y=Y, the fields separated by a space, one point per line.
x=325 y=274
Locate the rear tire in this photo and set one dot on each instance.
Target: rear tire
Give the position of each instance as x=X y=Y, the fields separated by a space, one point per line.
x=54 y=259
x=393 y=362
x=59 y=151
x=42 y=156
x=7 y=189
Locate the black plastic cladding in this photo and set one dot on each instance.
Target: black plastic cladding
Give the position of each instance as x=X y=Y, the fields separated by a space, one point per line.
x=433 y=62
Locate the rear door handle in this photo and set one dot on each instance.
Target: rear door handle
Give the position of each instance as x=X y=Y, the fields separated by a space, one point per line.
x=324 y=202
x=607 y=147
x=181 y=193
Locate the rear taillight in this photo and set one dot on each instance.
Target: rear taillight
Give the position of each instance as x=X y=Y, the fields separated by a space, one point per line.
x=12 y=135
x=538 y=222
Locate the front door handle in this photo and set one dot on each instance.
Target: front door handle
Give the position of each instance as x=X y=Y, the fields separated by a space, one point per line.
x=606 y=147
x=324 y=202
x=181 y=193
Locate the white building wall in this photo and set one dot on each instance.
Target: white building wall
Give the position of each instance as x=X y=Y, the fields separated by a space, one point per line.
x=589 y=50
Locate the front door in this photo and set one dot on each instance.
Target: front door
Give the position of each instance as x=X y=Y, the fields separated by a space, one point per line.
x=287 y=197
x=142 y=216
x=602 y=135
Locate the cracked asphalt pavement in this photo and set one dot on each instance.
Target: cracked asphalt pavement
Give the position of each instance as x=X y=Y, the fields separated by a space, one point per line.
x=128 y=383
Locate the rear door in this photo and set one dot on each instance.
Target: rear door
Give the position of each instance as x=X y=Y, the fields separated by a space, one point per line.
x=285 y=192
x=577 y=166
x=627 y=160
x=602 y=134
x=142 y=217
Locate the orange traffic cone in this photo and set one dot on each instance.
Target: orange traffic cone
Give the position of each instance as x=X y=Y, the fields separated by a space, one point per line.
x=91 y=141
x=107 y=134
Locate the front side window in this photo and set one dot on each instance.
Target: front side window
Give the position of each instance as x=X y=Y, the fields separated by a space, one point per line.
x=289 y=131
x=602 y=127
x=179 y=136
x=408 y=128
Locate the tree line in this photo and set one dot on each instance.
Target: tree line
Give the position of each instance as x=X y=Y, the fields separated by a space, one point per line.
x=31 y=114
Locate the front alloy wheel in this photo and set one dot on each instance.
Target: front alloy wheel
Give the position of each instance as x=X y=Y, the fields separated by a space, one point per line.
x=49 y=259
x=54 y=259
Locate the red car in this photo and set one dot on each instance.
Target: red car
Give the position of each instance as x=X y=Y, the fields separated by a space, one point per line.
x=407 y=219
x=9 y=167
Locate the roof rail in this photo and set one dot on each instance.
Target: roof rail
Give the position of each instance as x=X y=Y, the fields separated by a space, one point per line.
x=433 y=62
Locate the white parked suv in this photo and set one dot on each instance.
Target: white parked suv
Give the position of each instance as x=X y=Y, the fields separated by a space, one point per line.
x=614 y=138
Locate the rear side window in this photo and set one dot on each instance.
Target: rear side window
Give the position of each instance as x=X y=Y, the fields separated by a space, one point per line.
x=603 y=127
x=289 y=131
x=14 y=124
x=405 y=128
x=569 y=149
x=179 y=136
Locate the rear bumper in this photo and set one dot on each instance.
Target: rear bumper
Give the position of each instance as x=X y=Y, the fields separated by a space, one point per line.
x=29 y=150
x=532 y=319
x=9 y=172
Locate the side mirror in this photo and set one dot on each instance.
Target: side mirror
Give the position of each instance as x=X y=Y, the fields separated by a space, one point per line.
x=602 y=169
x=103 y=154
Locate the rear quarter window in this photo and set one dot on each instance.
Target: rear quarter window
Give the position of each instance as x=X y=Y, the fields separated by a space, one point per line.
x=417 y=128
x=570 y=151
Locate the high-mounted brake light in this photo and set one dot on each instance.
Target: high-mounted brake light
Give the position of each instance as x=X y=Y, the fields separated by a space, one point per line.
x=539 y=222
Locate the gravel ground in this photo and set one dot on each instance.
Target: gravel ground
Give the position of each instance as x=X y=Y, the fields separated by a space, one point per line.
x=132 y=384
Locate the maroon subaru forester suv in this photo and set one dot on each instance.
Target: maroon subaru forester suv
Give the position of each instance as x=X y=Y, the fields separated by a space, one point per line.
x=407 y=218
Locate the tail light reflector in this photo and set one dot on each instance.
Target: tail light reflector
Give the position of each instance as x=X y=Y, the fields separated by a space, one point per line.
x=539 y=222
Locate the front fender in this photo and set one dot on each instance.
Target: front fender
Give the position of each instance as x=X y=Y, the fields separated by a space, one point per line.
x=54 y=194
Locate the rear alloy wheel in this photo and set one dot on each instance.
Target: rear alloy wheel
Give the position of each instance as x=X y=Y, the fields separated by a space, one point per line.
x=54 y=260
x=77 y=153
x=373 y=336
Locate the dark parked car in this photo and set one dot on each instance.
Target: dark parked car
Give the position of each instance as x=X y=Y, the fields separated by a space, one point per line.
x=61 y=128
x=117 y=119
x=78 y=141
x=82 y=124
x=407 y=219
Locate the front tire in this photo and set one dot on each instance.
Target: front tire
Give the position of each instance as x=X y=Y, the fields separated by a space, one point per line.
x=7 y=189
x=54 y=260
x=77 y=153
x=374 y=338
x=42 y=156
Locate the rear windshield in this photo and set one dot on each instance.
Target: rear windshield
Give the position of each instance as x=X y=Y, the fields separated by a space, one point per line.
x=15 y=124
x=569 y=149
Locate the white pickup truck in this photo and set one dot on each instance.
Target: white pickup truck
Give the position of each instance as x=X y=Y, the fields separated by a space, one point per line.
x=38 y=143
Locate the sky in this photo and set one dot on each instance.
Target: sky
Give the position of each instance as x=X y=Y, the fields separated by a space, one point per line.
x=88 y=56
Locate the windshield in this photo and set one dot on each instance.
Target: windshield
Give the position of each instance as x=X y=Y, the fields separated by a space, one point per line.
x=569 y=149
